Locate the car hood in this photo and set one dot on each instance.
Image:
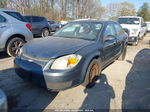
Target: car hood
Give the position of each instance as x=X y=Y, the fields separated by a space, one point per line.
x=52 y=47
x=130 y=26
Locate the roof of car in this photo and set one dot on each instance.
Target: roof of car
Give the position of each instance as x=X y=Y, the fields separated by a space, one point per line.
x=34 y=16
x=10 y=10
x=129 y=17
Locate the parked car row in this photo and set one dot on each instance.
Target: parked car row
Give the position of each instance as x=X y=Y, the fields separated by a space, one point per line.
x=39 y=25
x=16 y=29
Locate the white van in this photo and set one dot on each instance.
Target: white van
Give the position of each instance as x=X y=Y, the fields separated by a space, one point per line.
x=135 y=26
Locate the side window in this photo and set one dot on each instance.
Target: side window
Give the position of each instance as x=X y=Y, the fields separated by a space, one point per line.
x=2 y=19
x=52 y=22
x=28 y=18
x=42 y=19
x=36 y=19
x=109 y=30
x=118 y=29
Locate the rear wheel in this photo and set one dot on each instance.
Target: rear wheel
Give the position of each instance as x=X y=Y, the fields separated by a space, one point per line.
x=92 y=73
x=14 y=45
x=45 y=32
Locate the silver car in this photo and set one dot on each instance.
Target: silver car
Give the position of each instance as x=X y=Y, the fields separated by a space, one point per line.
x=14 y=31
x=3 y=102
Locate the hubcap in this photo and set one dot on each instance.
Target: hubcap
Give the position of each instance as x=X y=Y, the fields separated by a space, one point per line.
x=16 y=47
x=95 y=71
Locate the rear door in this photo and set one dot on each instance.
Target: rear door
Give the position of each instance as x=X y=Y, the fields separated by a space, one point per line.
x=36 y=25
x=109 y=46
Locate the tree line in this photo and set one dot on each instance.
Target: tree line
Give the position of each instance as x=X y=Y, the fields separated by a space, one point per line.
x=76 y=9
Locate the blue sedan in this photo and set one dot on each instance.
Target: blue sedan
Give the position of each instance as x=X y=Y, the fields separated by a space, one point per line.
x=74 y=55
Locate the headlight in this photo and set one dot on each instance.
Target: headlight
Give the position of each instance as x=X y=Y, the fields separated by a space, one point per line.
x=66 y=62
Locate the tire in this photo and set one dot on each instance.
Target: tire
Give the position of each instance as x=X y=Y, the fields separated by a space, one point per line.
x=13 y=46
x=123 y=54
x=45 y=32
x=92 y=76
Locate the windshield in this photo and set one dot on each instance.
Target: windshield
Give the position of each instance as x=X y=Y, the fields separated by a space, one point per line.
x=80 y=30
x=128 y=21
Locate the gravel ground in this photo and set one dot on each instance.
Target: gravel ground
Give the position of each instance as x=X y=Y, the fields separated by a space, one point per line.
x=124 y=84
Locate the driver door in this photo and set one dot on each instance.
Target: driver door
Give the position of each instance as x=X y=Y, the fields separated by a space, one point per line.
x=109 y=44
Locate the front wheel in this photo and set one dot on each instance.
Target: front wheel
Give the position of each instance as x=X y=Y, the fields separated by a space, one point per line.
x=45 y=32
x=92 y=73
x=14 y=45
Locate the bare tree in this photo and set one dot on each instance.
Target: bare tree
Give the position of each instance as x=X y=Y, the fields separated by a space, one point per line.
x=58 y=9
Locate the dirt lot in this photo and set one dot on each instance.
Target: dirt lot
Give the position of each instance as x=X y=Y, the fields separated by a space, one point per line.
x=124 y=84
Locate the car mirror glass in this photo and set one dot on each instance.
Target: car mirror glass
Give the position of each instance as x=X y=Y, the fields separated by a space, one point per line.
x=109 y=37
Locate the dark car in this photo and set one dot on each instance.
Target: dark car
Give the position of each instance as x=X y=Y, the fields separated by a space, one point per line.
x=39 y=24
x=75 y=55
x=54 y=25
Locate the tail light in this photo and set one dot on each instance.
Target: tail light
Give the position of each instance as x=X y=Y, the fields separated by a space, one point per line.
x=29 y=27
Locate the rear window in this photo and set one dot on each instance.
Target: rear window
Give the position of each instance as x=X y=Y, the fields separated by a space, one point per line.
x=16 y=15
x=28 y=18
x=2 y=19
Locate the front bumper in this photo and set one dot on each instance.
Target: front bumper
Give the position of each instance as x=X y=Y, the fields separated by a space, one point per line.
x=54 y=80
x=132 y=40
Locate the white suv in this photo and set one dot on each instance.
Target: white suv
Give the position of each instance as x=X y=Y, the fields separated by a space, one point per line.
x=135 y=26
x=14 y=31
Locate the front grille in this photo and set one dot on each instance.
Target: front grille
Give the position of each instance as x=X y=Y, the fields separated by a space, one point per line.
x=39 y=61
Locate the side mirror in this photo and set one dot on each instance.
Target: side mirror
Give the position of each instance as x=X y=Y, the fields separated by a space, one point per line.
x=109 y=37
